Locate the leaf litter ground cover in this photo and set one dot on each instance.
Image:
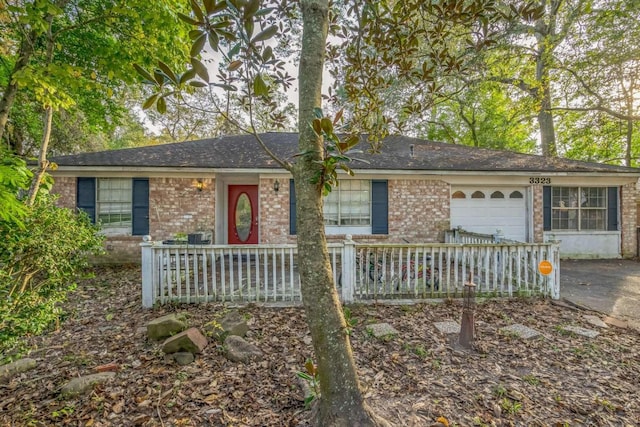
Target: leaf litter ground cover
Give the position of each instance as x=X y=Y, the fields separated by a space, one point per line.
x=413 y=378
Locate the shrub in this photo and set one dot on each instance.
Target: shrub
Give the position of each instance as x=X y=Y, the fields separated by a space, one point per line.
x=40 y=257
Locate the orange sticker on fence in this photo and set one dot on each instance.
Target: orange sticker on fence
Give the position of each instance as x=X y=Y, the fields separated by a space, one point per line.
x=545 y=267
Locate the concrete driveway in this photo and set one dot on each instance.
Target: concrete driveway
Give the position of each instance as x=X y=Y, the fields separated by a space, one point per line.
x=608 y=286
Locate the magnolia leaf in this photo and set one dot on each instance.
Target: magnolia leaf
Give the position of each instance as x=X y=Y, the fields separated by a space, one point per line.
x=188 y=19
x=234 y=65
x=265 y=34
x=165 y=68
x=143 y=73
x=200 y=68
x=230 y=88
x=150 y=101
x=338 y=116
x=327 y=125
x=209 y=6
x=317 y=127
x=197 y=11
x=260 y=87
x=352 y=140
x=264 y=11
x=197 y=83
x=187 y=75
x=198 y=44
x=251 y=8
x=159 y=77
x=161 y=105
x=346 y=168
x=214 y=40
x=248 y=27
x=267 y=54
x=234 y=50
x=194 y=34
x=317 y=111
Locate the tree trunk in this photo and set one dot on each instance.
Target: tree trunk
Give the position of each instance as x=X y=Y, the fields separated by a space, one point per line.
x=341 y=402
x=545 y=33
x=629 y=140
x=43 y=163
x=545 y=118
x=547 y=129
x=10 y=92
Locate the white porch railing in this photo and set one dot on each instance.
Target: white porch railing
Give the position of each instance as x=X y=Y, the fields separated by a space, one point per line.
x=269 y=273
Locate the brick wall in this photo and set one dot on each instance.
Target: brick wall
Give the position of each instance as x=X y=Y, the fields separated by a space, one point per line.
x=629 y=197
x=419 y=210
x=274 y=212
x=65 y=187
x=177 y=206
x=538 y=219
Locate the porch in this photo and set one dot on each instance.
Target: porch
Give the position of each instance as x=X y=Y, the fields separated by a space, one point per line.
x=362 y=272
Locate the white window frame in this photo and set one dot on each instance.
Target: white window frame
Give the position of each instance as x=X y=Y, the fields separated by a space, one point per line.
x=114 y=195
x=338 y=198
x=574 y=204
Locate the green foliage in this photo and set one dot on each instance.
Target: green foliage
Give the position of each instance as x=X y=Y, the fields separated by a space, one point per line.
x=311 y=376
x=14 y=177
x=510 y=406
x=80 y=58
x=38 y=264
x=337 y=151
x=241 y=34
x=349 y=320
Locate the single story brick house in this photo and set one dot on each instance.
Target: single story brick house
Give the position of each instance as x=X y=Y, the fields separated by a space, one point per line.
x=412 y=191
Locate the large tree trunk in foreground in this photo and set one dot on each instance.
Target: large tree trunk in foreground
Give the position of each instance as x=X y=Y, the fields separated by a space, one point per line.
x=341 y=402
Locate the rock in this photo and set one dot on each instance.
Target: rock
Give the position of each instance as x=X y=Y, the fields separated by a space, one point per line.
x=381 y=330
x=595 y=321
x=239 y=350
x=448 y=327
x=581 y=331
x=81 y=385
x=234 y=324
x=520 y=331
x=191 y=341
x=612 y=321
x=183 y=358
x=12 y=369
x=231 y=324
x=166 y=326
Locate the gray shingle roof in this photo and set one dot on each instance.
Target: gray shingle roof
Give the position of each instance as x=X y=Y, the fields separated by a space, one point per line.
x=242 y=151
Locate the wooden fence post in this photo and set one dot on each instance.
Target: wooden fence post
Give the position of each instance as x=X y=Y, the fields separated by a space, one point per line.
x=348 y=270
x=147 y=274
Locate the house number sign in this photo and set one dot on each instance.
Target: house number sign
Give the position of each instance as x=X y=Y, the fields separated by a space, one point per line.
x=539 y=180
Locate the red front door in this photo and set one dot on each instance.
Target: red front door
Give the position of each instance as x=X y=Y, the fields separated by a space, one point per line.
x=243 y=214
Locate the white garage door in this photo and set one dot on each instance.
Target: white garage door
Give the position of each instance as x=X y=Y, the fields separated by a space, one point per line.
x=485 y=210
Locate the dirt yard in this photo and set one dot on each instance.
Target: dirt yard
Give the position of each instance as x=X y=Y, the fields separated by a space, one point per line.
x=414 y=378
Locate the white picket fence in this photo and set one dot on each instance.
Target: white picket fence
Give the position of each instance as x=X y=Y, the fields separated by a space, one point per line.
x=378 y=272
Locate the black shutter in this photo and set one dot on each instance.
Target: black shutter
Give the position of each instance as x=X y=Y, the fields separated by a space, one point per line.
x=86 y=196
x=546 y=208
x=292 y=207
x=612 y=208
x=140 y=207
x=379 y=207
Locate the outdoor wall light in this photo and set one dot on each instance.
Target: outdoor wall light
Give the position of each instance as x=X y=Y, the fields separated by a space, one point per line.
x=276 y=186
x=200 y=185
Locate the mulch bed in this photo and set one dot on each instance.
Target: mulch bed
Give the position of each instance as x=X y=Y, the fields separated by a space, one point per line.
x=412 y=379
